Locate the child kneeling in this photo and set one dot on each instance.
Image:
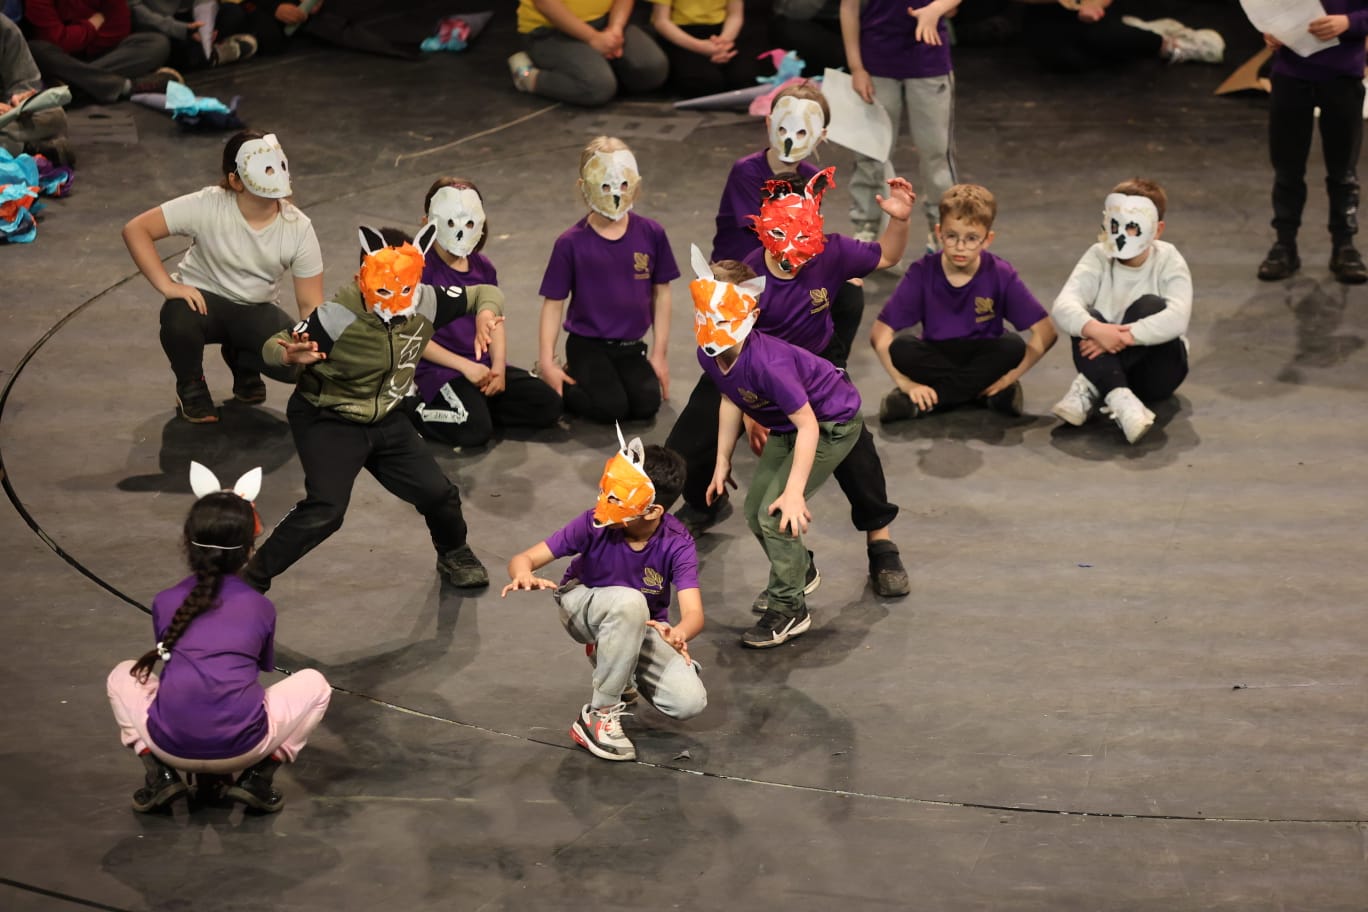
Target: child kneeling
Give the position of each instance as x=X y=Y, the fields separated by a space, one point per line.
x=615 y=596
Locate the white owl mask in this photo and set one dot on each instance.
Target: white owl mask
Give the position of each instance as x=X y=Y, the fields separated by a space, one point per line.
x=795 y=127
x=609 y=182
x=1129 y=224
x=263 y=168
x=460 y=219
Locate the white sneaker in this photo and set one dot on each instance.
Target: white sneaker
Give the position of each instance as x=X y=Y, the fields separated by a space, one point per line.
x=1196 y=46
x=599 y=731
x=1166 y=27
x=868 y=235
x=524 y=73
x=1078 y=403
x=1129 y=413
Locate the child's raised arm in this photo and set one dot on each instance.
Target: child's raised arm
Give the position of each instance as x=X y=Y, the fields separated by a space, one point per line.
x=521 y=566
x=898 y=205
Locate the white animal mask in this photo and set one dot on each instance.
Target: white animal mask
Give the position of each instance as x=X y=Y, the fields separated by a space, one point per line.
x=1128 y=225
x=795 y=127
x=263 y=168
x=609 y=182
x=460 y=219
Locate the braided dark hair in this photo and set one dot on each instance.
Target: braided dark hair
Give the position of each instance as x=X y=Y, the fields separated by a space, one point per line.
x=218 y=541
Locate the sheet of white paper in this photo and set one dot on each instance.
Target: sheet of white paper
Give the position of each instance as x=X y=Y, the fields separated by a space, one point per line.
x=1287 y=20
x=206 y=12
x=860 y=127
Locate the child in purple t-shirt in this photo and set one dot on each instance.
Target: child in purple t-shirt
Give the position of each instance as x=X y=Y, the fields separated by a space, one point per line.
x=614 y=267
x=899 y=54
x=615 y=596
x=464 y=396
x=812 y=412
x=207 y=713
x=960 y=297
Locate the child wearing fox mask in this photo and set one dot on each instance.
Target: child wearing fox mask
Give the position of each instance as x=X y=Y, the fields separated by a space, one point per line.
x=615 y=595
x=358 y=353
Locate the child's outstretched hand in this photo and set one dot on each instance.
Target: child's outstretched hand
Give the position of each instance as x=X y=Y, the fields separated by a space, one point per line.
x=526 y=581
x=793 y=513
x=669 y=635
x=900 y=200
x=486 y=324
x=928 y=24
x=721 y=480
x=299 y=350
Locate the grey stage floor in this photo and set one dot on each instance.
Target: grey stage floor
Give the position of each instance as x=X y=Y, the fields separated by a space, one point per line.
x=1126 y=678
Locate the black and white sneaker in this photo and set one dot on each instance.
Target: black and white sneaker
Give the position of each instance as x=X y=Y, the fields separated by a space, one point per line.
x=810 y=584
x=775 y=629
x=599 y=731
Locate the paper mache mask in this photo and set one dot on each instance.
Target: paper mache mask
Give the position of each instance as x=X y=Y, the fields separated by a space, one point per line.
x=263 y=168
x=795 y=128
x=390 y=276
x=789 y=223
x=625 y=493
x=460 y=219
x=203 y=482
x=1128 y=225
x=724 y=313
x=609 y=182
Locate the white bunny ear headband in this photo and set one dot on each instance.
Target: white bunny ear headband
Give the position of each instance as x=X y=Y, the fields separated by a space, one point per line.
x=204 y=482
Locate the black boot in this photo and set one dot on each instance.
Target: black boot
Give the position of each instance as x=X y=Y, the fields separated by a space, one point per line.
x=1347 y=265
x=161 y=786
x=1280 y=263
x=886 y=571
x=253 y=788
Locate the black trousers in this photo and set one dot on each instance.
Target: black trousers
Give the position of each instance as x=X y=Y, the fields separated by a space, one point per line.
x=1153 y=372
x=461 y=415
x=1064 y=44
x=693 y=75
x=860 y=475
x=613 y=380
x=1291 y=116
x=242 y=329
x=333 y=451
x=959 y=370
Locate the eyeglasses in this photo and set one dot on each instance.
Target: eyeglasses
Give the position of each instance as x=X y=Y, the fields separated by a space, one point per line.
x=968 y=242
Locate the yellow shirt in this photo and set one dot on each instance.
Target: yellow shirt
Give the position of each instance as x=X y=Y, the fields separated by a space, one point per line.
x=697 y=12
x=530 y=18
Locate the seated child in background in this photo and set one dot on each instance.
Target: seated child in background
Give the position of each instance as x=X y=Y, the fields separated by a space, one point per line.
x=43 y=132
x=615 y=595
x=812 y=412
x=615 y=268
x=699 y=38
x=960 y=297
x=1126 y=307
x=176 y=20
x=465 y=397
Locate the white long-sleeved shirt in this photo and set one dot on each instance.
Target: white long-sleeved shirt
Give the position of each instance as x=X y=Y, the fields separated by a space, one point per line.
x=1109 y=287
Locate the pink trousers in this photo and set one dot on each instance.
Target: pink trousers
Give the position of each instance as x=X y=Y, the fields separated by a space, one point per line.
x=294 y=707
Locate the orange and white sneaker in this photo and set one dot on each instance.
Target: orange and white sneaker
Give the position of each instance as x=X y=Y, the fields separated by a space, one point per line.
x=599 y=731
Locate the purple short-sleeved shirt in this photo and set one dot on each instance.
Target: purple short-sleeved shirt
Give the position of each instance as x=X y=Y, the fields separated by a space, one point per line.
x=975 y=311
x=605 y=559
x=458 y=336
x=1344 y=59
x=798 y=310
x=210 y=704
x=610 y=283
x=772 y=379
x=889 y=45
x=735 y=238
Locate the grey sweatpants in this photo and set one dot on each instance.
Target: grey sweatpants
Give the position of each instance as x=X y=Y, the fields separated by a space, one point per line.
x=19 y=73
x=614 y=619
x=930 y=107
x=105 y=78
x=570 y=70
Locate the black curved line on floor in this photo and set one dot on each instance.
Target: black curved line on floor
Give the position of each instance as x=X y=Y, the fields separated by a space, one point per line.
x=397 y=707
x=64 y=897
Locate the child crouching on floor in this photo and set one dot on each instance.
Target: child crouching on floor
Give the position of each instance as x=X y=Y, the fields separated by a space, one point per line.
x=615 y=596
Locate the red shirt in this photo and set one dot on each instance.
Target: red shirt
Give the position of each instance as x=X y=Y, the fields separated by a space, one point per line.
x=66 y=24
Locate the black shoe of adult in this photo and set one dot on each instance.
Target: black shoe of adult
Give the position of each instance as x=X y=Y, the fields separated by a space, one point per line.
x=195 y=403
x=462 y=569
x=1346 y=264
x=254 y=789
x=161 y=786
x=887 y=574
x=1280 y=263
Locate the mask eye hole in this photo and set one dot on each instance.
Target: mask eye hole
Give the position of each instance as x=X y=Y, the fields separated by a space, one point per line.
x=406 y=290
x=269 y=170
x=605 y=188
x=383 y=293
x=802 y=134
x=451 y=223
x=284 y=165
x=470 y=224
x=777 y=233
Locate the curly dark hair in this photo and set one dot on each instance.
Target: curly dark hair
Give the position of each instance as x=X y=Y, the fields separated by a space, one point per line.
x=218 y=541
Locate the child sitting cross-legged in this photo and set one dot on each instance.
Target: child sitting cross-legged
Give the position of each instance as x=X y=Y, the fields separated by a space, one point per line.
x=615 y=596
